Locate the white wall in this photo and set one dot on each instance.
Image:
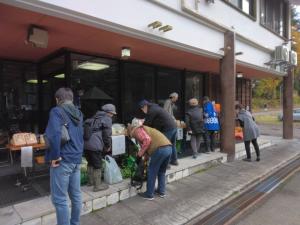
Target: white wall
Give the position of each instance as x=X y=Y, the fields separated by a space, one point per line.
x=190 y=33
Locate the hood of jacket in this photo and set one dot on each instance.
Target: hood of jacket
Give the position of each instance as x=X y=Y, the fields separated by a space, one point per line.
x=74 y=114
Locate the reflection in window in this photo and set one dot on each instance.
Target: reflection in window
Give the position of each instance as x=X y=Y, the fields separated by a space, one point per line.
x=18 y=97
x=247 y=6
x=193 y=86
x=139 y=84
x=96 y=77
x=273 y=14
x=169 y=81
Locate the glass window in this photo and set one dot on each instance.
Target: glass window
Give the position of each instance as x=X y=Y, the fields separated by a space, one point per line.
x=19 y=99
x=169 y=81
x=273 y=15
x=139 y=84
x=49 y=72
x=97 y=77
x=246 y=6
x=194 y=86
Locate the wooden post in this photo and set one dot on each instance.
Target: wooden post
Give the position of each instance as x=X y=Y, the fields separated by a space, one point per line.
x=288 y=105
x=227 y=82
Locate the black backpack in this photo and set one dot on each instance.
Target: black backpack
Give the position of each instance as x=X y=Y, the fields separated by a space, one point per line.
x=89 y=128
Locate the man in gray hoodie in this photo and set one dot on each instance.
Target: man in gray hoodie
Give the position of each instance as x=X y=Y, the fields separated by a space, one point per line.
x=97 y=140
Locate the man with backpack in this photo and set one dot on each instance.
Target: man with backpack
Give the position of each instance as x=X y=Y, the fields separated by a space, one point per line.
x=65 y=158
x=97 y=140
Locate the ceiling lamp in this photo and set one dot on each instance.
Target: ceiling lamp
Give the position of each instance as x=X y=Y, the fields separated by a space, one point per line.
x=239 y=75
x=125 y=53
x=92 y=66
x=60 y=76
x=35 y=81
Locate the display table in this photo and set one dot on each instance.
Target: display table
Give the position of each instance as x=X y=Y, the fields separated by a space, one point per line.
x=14 y=148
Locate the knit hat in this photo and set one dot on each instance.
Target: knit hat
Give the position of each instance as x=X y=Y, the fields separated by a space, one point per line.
x=109 y=108
x=143 y=103
x=174 y=94
x=193 y=102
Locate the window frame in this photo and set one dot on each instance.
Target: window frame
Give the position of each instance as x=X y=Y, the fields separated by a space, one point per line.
x=252 y=17
x=286 y=12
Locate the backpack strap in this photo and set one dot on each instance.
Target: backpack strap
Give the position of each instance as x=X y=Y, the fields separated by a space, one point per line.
x=64 y=116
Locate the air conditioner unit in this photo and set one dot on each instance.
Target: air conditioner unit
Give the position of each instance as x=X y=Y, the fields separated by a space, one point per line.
x=282 y=53
x=293 y=58
x=38 y=37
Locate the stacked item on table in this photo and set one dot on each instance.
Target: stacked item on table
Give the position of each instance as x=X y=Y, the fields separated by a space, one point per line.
x=21 y=139
x=118 y=129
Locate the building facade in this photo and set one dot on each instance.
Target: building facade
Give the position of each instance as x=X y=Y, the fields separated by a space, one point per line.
x=193 y=47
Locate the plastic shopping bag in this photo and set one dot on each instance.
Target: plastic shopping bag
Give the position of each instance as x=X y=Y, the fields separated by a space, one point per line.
x=112 y=173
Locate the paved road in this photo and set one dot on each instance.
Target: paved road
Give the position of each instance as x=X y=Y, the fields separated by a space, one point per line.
x=281 y=209
x=276 y=130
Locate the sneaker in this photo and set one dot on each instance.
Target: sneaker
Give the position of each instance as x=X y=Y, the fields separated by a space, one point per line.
x=175 y=163
x=160 y=194
x=194 y=156
x=257 y=159
x=247 y=160
x=145 y=196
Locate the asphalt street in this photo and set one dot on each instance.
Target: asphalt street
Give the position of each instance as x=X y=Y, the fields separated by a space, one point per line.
x=282 y=208
x=276 y=130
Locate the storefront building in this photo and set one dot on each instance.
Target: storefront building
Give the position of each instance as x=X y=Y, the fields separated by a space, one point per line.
x=193 y=47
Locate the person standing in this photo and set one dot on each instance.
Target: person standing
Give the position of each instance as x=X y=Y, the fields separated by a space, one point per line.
x=156 y=146
x=195 y=126
x=250 y=131
x=211 y=122
x=159 y=119
x=97 y=136
x=65 y=159
x=170 y=103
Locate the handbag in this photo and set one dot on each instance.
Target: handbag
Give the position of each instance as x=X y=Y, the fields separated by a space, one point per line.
x=112 y=173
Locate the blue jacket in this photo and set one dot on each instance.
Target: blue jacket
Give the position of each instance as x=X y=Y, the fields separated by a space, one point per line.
x=211 y=121
x=70 y=152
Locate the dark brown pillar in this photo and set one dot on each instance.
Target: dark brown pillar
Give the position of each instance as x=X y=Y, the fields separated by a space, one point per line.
x=288 y=105
x=227 y=82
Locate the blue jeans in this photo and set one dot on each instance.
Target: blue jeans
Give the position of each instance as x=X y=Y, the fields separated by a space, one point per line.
x=64 y=181
x=172 y=135
x=157 y=168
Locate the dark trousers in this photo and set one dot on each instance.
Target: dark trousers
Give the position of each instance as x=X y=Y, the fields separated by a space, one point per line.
x=248 y=151
x=210 y=134
x=93 y=158
x=172 y=135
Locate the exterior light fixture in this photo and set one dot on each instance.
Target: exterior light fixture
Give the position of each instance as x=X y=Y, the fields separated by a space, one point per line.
x=166 y=28
x=35 y=81
x=239 y=53
x=155 y=24
x=125 y=53
x=92 y=66
x=239 y=75
x=60 y=76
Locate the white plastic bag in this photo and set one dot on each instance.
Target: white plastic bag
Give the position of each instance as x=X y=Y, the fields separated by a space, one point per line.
x=112 y=173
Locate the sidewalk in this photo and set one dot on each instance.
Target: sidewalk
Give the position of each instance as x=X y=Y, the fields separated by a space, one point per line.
x=40 y=210
x=198 y=193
